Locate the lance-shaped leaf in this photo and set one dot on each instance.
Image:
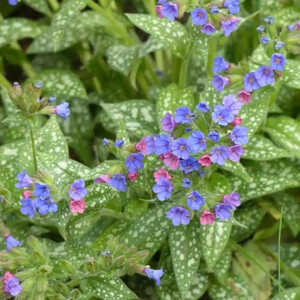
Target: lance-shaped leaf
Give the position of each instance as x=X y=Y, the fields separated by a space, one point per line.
x=39 y=5
x=236 y=168
x=172 y=98
x=268 y=178
x=248 y=218
x=139 y=116
x=285 y=131
x=261 y=148
x=214 y=239
x=222 y=267
x=292 y=73
x=61 y=84
x=288 y=294
x=78 y=30
x=149 y=231
x=234 y=288
x=185 y=249
x=14 y=29
x=107 y=288
x=171 y=34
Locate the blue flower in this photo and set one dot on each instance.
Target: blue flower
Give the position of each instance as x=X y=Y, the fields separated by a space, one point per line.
x=264 y=76
x=169 y=10
x=150 y=144
x=260 y=28
x=214 y=9
x=52 y=99
x=162 y=144
x=178 y=215
x=154 y=274
x=168 y=123
x=233 y=6
x=235 y=152
x=220 y=64
x=219 y=155
x=279 y=45
x=222 y=115
x=28 y=207
x=62 y=110
x=118 y=181
x=11 y=242
x=119 y=143
x=134 y=162
x=77 y=190
x=223 y=211
x=163 y=188
x=199 y=16
x=232 y=199
x=12 y=286
x=250 y=82
x=38 y=85
x=269 y=20
x=277 y=62
x=105 y=142
x=292 y=27
x=24 y=181
x=231 y=103
x=202 y=106
x=214 y=136
x=186 y=183
x=208 y=29
x=197 y=141
x=13 y=2
x=181 y=148
x=46 y=205
x=230 y=25
x=41 y=190
x=219 y=82
x=188 y=165
x=183 y=115
x=264 y=40
x=239 y=135
x=188 y=129
x=195 y=201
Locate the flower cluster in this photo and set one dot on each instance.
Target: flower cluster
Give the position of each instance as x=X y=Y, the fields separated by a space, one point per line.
x=210 y=18
x=11 y=284
x=77 y=192
x=36 y=196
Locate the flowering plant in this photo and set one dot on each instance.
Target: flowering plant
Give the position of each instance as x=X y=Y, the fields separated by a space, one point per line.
x=149 y=150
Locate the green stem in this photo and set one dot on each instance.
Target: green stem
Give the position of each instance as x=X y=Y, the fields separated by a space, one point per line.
x=33 y=150
x=279 y=244
x=54 y=5
x=275 y=93
x=184 y=67
x=4 y=82
x=212 y=45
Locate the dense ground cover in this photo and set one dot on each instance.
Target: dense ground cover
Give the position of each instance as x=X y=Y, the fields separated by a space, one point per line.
x=150 y=150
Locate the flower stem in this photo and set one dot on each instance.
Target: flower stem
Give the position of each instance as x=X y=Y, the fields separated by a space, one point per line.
x=184 y=67
x=33 y=149
x=212 y=45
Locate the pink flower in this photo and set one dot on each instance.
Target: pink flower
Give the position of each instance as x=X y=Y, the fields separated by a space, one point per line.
x=205 y=160
x=161 y=173
x=158 y=9
x=207 y=218
x=6 y=276
x=170 y=160
x=237 y=121
x=102 y=179
x=77 y=206
x=133 y=176
x=27 y=194
x=141 y=146
x=244 y=97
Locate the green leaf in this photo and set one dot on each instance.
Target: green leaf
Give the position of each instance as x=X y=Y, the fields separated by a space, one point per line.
x=268 y=178
x=214 y=239
x=185 y=251
x=285 y=131
x=149 y=231
x=14 y=29
x=78 y=30
x=289 y=294
x=234 y=288
x=107 y=288
x=168 y=289
x=172 y=98
x=291 y=210
x=222 y=267
x=237 y=169
x=261 y=148
x=39 y=5
x=249 y=217
x=138 y=115
x=290 y=253
x=172 y=35
x=62 y=84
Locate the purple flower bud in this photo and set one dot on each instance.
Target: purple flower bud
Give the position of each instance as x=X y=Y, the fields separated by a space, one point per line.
x=41 y=190
x=24 y=181
x=220 y=65
x=163 y=188
x=277 y=62
x=77 y=190
x=62 y=110
x=46 y=205
x=28 y=207
x=239 y=135
x=11 y=242
x=219 y=82
x=168 y=123
x=183 y=115
x=260 y=28
x=178 y=215
x=134 y=162
x=269 y=20
x=105 y=142
x=264 y=76
x=119 y=143
x=169 y=10
x=188 y=165
x=162 y=144
x=195 y=201
x=118 y=181
x=52 y=99
x=219 y=155
x=235 y=152
x=214 y=136
x=12 y=286
x=232 y=199
x=279 y=45
x=214 y=9
x=38 y=84
x=223 y=211
x=202 y=106
x=186 y=183
x=264 y=40
x=233 y=6
x=208 y=29
x=199 y=16
x=250 y=82
x=154 y=274
x=13 y=2
x=231 y=103
x=230 y=25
